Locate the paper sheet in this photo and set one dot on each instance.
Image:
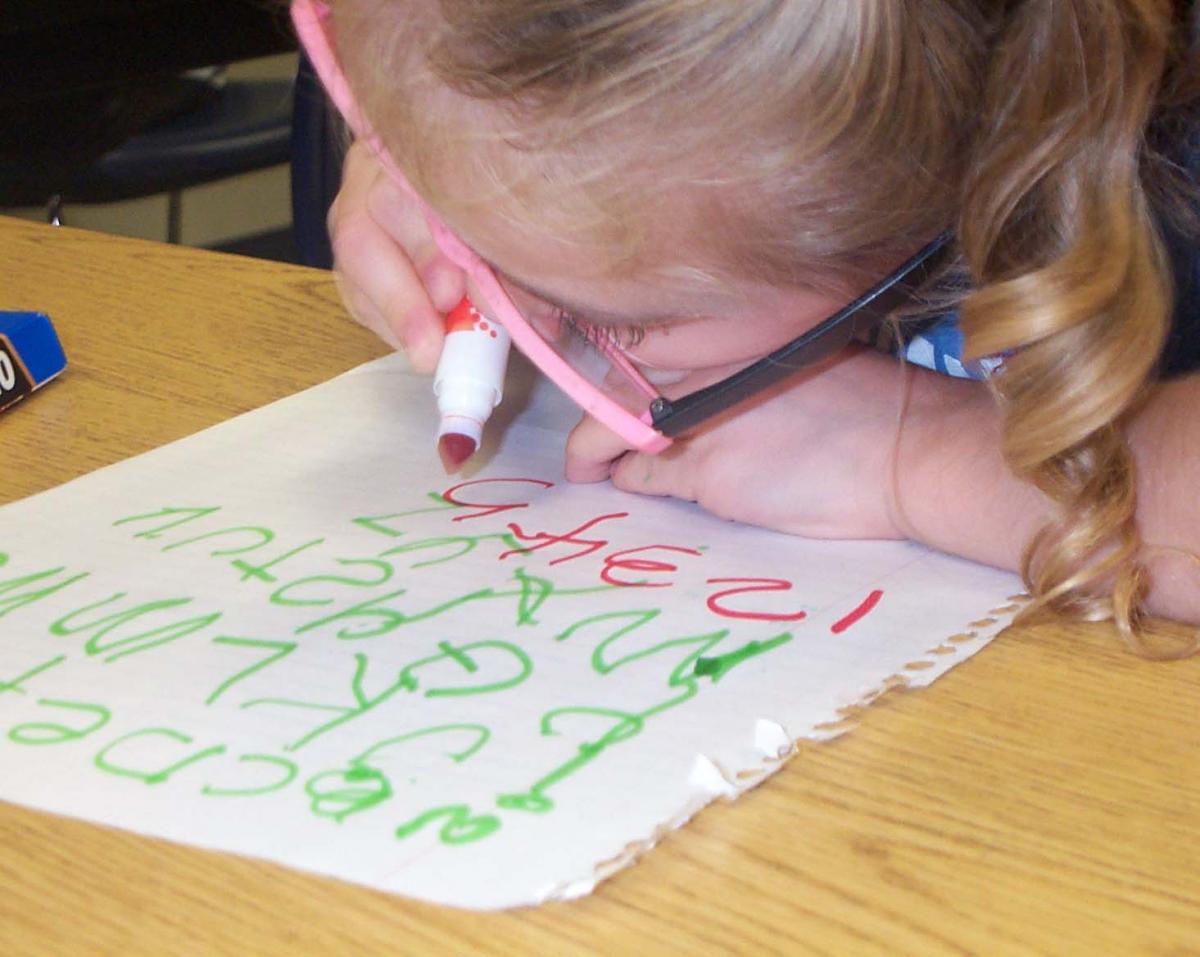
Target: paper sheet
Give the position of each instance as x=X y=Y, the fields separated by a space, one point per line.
x=292 y=636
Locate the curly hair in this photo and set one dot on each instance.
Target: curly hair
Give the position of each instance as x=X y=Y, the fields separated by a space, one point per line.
x=850 y=132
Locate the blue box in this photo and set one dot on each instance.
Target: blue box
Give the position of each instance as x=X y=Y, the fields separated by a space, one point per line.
x=30 y=354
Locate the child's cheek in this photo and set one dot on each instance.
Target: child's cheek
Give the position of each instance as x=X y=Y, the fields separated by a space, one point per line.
x=663 y=377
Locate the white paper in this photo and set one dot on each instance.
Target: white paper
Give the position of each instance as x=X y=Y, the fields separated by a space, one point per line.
x=278 y=638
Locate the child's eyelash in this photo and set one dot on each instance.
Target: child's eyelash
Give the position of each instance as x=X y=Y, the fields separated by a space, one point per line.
x=599 y=334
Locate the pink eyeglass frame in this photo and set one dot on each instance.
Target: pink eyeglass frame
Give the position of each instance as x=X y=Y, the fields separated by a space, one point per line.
x=311 y=20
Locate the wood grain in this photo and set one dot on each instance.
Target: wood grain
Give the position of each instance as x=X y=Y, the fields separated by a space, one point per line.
x=1043 y=798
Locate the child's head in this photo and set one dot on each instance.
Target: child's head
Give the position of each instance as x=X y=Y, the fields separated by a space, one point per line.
x=631 y=148
x=800 y=143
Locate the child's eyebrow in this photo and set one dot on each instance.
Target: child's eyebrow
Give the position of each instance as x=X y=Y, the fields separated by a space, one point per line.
x=587 y=313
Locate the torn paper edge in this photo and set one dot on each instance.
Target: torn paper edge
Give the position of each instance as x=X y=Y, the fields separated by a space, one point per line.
x=778 y=746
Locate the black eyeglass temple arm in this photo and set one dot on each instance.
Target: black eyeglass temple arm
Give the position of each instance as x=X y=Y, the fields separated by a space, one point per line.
x=674 y=418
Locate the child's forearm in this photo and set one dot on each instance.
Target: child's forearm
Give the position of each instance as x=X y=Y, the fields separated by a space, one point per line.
x=957 y=495
x=1166 y=442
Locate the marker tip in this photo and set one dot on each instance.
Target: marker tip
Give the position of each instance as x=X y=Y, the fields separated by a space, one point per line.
x=454 y=449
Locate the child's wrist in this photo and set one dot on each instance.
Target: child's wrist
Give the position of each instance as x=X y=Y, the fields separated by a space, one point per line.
x=952 y=490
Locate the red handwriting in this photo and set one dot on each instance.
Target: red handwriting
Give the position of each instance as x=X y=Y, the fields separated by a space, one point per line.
x=488 y=509
x=629 y=567
x=847 y=620
x=618 y=561
x=750 y=585
x=547 y=539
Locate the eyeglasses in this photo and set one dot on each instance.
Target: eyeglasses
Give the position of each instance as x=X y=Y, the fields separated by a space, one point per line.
x=562 y=360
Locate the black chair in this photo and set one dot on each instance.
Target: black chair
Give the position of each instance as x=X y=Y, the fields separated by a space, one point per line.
x=105 y=101
x=221 y=129
x=318 y=138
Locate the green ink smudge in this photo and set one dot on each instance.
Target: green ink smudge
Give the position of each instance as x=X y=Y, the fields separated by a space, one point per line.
x=718 y=666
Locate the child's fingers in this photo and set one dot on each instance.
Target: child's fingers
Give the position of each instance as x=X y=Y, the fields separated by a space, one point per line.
x=378 y=282
x=364 y=312
x=401 y=218
x=392 y=277
x=672 y=473
x=591 y=450
x=595 y=454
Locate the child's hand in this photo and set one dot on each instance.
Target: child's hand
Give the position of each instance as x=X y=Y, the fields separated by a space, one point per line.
x=392 y=277
x=814 y=458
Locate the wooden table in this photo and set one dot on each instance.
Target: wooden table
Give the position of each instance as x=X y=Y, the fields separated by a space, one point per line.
x=1042 y=798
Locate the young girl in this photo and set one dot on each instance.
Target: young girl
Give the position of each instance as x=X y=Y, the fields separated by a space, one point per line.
x=704 y=181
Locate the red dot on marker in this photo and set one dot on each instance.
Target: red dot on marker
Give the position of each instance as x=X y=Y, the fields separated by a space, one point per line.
x=454 y=449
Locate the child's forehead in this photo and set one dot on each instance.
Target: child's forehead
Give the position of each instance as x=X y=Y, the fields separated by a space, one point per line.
x=492 y=161
x=650 y=188
x=591 y=281
x=573 y=202
x=702 y=165
x=542 y=226
x=606 y=207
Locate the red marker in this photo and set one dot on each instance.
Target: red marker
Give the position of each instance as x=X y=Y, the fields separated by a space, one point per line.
x=469 y=381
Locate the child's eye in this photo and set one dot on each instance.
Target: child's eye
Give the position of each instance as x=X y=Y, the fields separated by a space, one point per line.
x=599 y=334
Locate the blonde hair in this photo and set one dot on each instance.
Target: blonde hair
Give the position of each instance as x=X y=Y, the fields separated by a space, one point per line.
x=1060 y=236
x=862 y=128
